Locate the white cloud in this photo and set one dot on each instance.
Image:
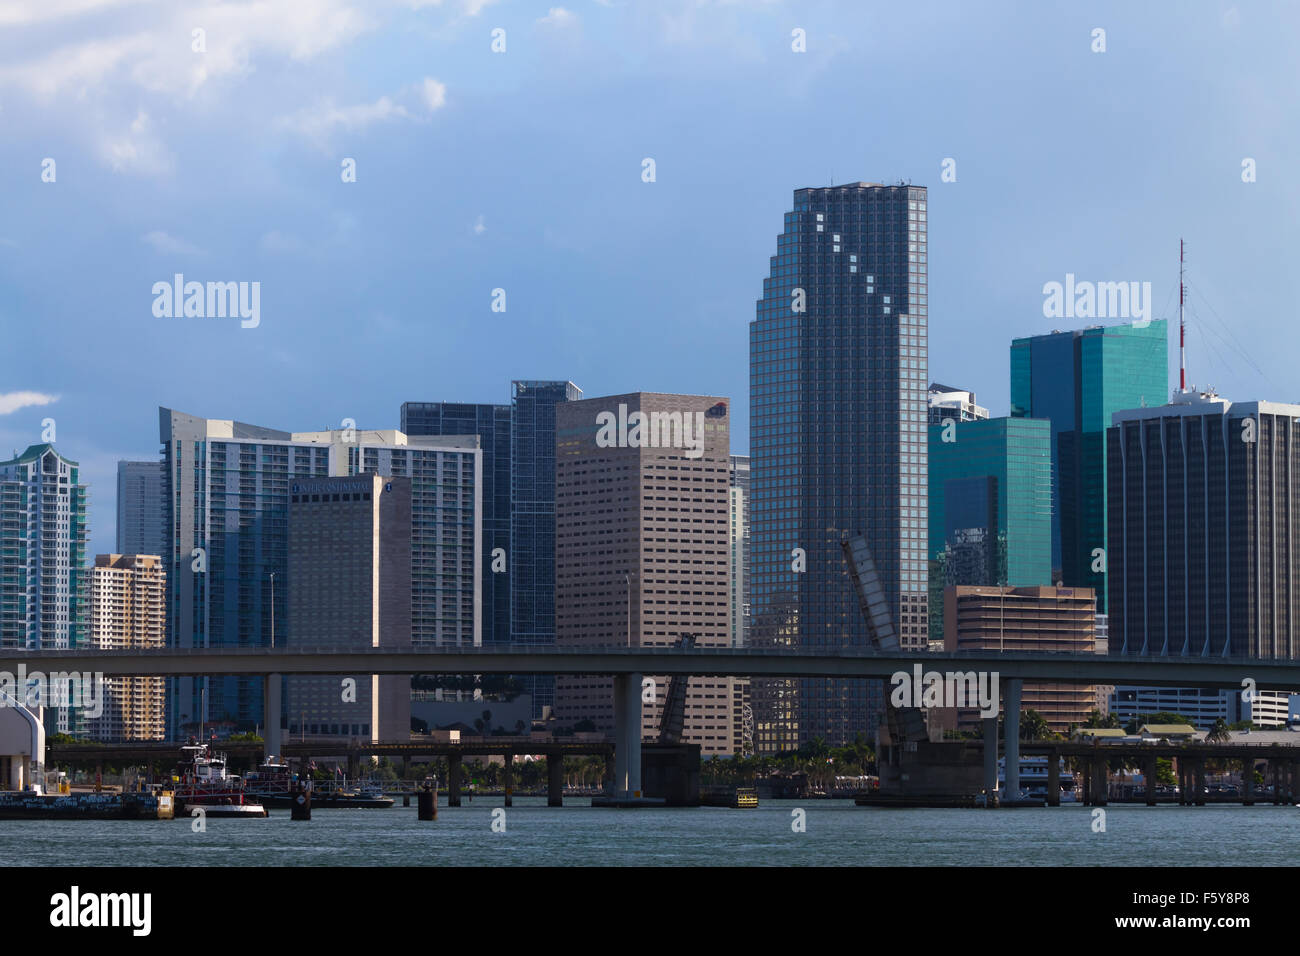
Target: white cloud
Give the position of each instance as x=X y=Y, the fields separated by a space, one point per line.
x=480 y=226
x=168 y=244
x=13 y=401
x=434 y=93
x=557 y=16
x=321 y=122
x=137 y=150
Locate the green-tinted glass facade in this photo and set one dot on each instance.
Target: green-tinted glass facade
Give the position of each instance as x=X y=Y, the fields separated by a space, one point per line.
x=990 y=493
x=1077 y=380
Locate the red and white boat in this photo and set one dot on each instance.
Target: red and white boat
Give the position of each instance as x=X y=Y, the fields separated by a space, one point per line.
x=205 y=788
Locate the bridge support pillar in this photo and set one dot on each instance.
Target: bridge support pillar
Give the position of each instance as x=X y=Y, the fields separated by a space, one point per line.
x=1247 y=782
x=1087 y=783
x=1277 y=782
x=1183 y=783
x=453 y=780
x=1053 y=779
x=1198 y=776
x=555 y=779
x=607 y=782
x=1011 y=735
x=627 y=736
x=508 y=778
x=354 y=764
x=990 y=761
x=1149 y=773
x=1100 y=782
x=271 y=714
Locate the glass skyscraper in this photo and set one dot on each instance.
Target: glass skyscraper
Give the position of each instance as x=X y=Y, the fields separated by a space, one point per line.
x=532 y=520
x=990 y=506
x=1077 y=380
x=838 y=444
x=44 y=581
x=492 y=425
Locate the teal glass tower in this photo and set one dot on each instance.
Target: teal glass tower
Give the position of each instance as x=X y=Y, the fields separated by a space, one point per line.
x=1077 y=380
x=990 y=506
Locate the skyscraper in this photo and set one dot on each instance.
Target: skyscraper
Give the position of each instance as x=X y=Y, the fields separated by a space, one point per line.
x=227 y=485
x=995 y=476
x=128 y=611
x=349 y=587
x=838 y=444
x=1202 y=549
x=44 y=594
x=44 y=598
x=492 y=424
x=139 y=507
x=642 y=548
x=532 y=521
x=739 y=549
x=1077 y=380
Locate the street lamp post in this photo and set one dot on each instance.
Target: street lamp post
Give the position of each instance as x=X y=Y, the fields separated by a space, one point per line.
x=627 y=577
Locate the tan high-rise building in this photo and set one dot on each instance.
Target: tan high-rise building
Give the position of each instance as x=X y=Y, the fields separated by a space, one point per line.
x=1027 y=619
x=128 y=612
x=642 y=548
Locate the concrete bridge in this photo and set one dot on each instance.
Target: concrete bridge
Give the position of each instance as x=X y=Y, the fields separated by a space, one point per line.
x=626 y=665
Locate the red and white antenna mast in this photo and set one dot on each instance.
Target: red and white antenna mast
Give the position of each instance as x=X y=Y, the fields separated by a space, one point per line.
x=1182 y=339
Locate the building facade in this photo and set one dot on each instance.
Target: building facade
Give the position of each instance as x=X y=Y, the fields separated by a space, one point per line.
x=642 y=548
x=139 y=508
x=491 y=423
x=1077 y=380
x=739 y=549
x=838 y=444
x=226 y=486
x=990 y=506
x=532 y=521
x=128 y=611
x=954 y=404
x=44 y=583
x=1203 y=535
x=349 y=587
x=1027 y=619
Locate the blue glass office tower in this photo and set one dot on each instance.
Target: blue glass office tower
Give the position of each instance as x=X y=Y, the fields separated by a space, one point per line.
x=532 y=519
x=838 y=444
x=491 y=423
x=1078 y=380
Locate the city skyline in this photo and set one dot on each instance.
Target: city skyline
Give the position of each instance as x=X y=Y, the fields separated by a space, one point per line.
x=1028 y=206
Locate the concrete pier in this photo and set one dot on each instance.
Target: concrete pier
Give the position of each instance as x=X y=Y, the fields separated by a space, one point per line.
x=508 y=778
x=453 y=780
x=1053 y=779
x=1149 y=772
x=555 y=781
x=1011 y=735
x=271 y=714
x=990 y=761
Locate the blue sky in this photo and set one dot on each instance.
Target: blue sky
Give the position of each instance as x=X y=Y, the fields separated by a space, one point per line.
x=522 y=170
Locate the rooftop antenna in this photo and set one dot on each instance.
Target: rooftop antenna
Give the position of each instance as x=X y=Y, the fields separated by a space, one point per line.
x=1182 y=339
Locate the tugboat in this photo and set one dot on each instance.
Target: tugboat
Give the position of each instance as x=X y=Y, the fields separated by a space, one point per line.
x=204 y=787
x=275 y=785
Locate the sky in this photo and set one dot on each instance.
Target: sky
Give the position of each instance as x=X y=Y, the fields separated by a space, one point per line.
x=213 y=140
